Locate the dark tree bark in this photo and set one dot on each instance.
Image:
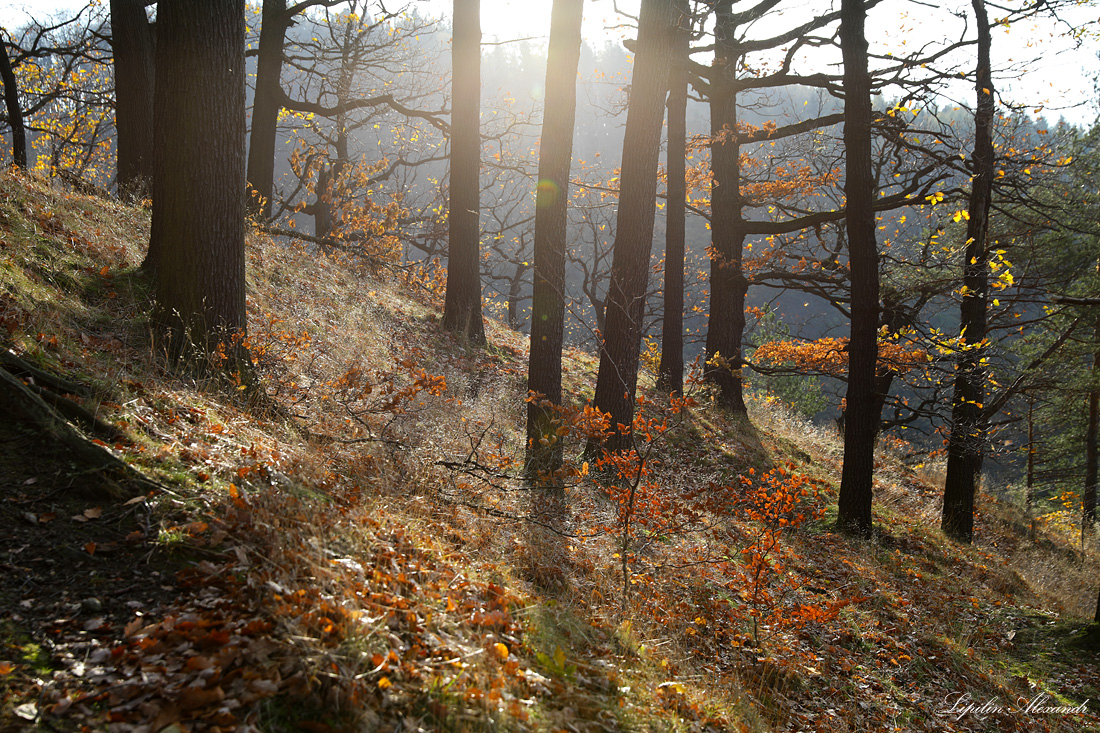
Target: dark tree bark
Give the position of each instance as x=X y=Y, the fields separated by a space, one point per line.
x=617 y=380
x=670 y=373
x=462 y=309
x=199 y=185
x=515 y=295
x=133 y=45
x=544 y=451
x=1092 y=441
x=966 y=443
x=331 y=187
x=862 y=411
x=266 y=104
x=15 y=112
x=728 y=286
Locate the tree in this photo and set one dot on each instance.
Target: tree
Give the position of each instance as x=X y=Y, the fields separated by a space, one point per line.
x=670 y=373
x=462 y=309
x=551 y=210
x=617 y=380
x=276 y=18
x=968 y=414
x=728 y=285
x=861 y=420
x=133 y=46
x=15 y=112
x=66 y=89
x=197 y=242
x=56 y=86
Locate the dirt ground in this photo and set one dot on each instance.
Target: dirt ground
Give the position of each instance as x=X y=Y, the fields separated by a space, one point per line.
x=75 y=569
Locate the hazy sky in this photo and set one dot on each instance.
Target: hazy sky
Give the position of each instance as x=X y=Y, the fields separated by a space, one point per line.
x=1060 y=76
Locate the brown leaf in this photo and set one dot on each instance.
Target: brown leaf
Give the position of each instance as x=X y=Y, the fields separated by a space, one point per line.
x=166 y=717
x=194 y=697
x=94 y=513
x=90 y=548
x=199 y=663
x=263 y=687
x=95 y=624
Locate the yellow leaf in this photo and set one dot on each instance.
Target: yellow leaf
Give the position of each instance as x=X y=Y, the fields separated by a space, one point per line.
x=501 y=650
x=384 y=683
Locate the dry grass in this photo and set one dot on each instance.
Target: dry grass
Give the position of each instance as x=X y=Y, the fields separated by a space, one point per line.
x=349 y=476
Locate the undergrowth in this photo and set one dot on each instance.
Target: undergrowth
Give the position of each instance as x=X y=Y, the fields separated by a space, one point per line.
x=361 y=552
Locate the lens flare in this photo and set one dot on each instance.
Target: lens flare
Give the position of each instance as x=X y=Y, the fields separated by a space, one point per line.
x=546 y=193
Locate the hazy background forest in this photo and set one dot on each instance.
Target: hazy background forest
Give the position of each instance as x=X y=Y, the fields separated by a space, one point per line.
x=362 y=158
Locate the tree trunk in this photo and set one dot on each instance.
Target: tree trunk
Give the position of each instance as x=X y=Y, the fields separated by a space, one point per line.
x=728 y=286
x=966 y=443
x=515 y=287
x=617 y=380
x=266 y=104
x=133 y=45
x=544 y=451
x=199 y=186
x=861 y=414
x=462 y=309
x=670 y=373
x=1088 y=500
x=331 y=186
x=15 y=112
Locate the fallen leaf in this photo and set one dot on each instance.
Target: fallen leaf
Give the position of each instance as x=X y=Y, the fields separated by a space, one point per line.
x=501 y=649
x=264 y=687
x=193 y=697
x=95 y=624
x=6 y=667
x=94 y=513
x=27 y=711
x=90 y=548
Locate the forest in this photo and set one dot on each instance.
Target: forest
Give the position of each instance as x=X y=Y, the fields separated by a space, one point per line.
x=686 y=365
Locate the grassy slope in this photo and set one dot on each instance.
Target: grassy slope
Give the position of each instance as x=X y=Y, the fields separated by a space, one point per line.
x=313 y=563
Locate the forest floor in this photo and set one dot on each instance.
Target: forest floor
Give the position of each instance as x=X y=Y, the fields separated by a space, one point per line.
x=348 y=548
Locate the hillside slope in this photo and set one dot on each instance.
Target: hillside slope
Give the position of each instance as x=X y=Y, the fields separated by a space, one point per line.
x=351 y=548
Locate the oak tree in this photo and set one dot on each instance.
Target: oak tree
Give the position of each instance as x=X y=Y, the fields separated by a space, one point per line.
x=462 y=310
x=196 y=245
x=617 y=379
x=551 y=201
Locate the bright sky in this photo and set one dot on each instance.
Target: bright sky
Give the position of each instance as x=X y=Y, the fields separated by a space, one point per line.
x=1063 y=77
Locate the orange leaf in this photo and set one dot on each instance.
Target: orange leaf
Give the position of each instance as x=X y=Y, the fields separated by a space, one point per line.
x=90 y=548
